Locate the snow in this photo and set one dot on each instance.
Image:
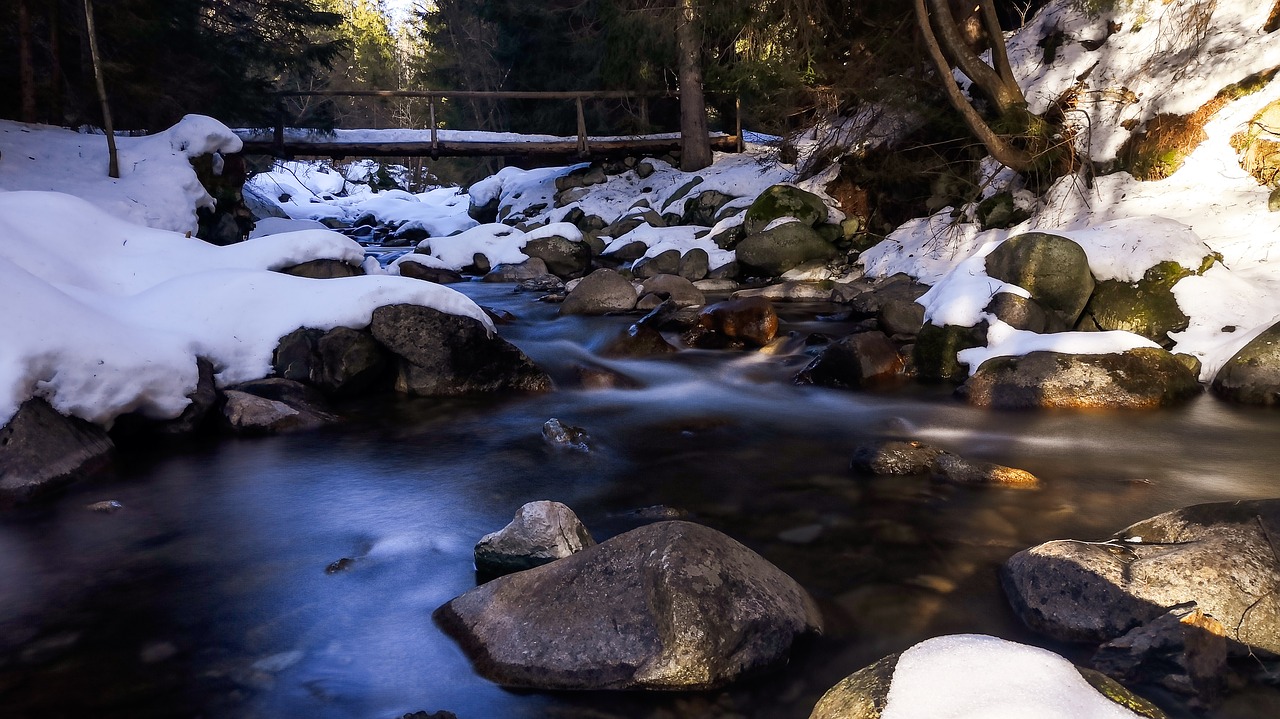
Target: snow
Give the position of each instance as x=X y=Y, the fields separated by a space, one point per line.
x=277 y=225
x=1005 y=341
x=110 y=317
x=157 y=186
x=972 y=676
x=1209 y=207
x=680 y=238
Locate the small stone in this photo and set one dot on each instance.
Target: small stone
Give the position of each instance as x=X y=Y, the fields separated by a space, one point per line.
x=541 y=532
x=563 y=436
x=340 y=565
x=950 y=468
x=109 y=506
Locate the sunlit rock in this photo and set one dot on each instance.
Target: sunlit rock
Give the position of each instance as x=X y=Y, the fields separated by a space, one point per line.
x=1221 y=556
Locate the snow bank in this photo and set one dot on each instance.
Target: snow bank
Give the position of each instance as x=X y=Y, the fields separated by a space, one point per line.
x=104 y=317
x=680 y=238
x=157 y=186
x=499 y=243
x=972 y=676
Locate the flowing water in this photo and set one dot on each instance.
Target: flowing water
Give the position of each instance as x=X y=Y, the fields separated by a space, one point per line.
x=207 y=594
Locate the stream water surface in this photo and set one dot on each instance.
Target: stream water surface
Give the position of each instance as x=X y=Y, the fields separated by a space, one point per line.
x=207 y=594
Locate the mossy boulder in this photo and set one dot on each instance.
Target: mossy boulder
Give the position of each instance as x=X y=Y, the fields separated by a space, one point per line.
x=1054 y=269
x=1000 y=211
x=1252 y=375
x=782 y=248
x=936 y=347
x=784 y=201
x=1141 y=378
x=1146 y=307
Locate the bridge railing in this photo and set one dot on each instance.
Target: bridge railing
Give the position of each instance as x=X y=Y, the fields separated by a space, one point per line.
x=432 y=96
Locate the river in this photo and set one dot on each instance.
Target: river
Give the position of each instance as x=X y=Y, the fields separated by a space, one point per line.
x=207 y=593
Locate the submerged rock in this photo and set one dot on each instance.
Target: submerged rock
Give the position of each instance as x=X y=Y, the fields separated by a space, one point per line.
x=440 y=354
x=41 y=450
x=858 y=360
x=671 y=605
x=1220 y=556
x=951 y=468
x=559 y=435
x=751 y=320
x=541 y=532
x=1141 y=378
x=893 y=457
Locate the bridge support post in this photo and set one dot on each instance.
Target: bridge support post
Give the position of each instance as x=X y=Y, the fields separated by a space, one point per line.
x=583 y=150
x=435 y=140
x=737 y=119
x=278 y=137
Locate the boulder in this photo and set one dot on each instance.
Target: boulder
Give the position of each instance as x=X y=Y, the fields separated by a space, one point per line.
x=702 y=210
x=680 y=290
x=261 y=206
x=663 y=263
x=901 y=317
x=1221 y=556
x=1184 y=650
x=598 y=293
x=671 y=605
x=1141 y=378
x=438 y=275
x=858 y=360
x=1146 y=307
x=324 y=270
x=784 y=201
x=1252 y=375
x=781 y=248
x=530 y=268
x=252 y=414
x=934 y=353
x=751 y=320
x=41 y=450
x=972 y=675
x=564 y=258
x=541 y=532
x=351 y=361
x=694 y=264
x=440 y=354
x=637 y=341
x=1055 y=270
x=1023 y=313
x=341 y=361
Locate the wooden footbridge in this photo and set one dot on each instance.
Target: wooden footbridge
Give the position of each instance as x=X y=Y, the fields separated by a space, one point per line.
x=437 y=142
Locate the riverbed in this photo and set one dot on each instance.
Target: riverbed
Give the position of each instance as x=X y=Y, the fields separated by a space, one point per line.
x=218 y=590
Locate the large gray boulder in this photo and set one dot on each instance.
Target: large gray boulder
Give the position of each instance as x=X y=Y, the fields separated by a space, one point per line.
x=678 y=289
x=784 y=201
x=671 y=605
x=564 y=258
x=439 y=354
x=341 y=361
x=1055 y=270
x=782 y=248
x=541 y=532
x=41 y=450
x=1221 y=556
x=1252 y=375
x=1142 y=378
x=599 y=293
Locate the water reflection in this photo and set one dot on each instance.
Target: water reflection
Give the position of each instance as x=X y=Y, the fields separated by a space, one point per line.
x=207 y=594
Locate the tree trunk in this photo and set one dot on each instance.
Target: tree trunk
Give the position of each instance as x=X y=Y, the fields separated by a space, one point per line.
x=1002 y=89
x=695 y=143
x=113 y=168
x=56 y=80
x=1004 y=153
x=26 y=67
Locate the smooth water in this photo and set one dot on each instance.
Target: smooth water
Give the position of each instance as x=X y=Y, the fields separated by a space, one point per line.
x=207 y=595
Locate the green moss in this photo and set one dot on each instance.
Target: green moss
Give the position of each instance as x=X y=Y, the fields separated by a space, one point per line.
x=1112 y=690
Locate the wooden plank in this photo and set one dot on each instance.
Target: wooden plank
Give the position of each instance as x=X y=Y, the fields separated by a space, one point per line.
x=480 y=94
x=444 y=148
